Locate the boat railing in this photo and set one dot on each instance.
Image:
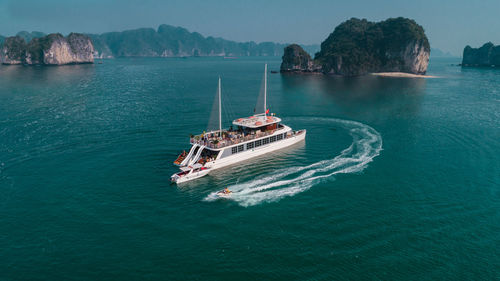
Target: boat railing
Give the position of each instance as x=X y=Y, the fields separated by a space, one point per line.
x=231 y=139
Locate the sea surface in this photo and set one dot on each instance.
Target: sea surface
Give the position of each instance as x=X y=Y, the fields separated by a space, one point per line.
x=398 y=178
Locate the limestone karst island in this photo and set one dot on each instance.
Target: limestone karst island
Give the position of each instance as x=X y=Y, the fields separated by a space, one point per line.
x=358 y=47
x=488 y=55
x=52 y=49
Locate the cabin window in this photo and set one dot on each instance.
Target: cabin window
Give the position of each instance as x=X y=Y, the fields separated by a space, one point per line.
x=240 y=148
x=272 y=139
x=279 y=137
x=234 y=150
x=249 y=145
x=284 y=135
x=258 y=143
x=265 y=141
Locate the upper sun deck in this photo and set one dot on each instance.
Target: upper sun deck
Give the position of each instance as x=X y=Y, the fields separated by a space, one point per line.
x=212 y=141
x=256 y=121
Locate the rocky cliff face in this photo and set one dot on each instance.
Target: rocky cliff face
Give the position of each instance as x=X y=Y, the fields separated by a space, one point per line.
x=487 y=55
x=357 y=47
x=411 y=58
x=53 y=49
x=13 y=50
x=295 y=59
x=416 y=57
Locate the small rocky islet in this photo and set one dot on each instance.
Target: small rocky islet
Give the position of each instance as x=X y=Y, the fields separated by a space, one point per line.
x=52 y=49
x=358 y=47
x=486 y=56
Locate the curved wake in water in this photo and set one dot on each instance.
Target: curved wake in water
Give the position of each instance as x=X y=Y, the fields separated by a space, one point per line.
x=366 y=145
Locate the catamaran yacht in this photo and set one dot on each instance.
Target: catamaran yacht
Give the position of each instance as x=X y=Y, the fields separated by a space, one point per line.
x=252 y=136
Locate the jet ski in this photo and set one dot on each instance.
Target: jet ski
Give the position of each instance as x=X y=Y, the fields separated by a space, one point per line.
x=224 y=193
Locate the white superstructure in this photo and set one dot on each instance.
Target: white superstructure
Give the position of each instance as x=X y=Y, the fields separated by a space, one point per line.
x=252 y=136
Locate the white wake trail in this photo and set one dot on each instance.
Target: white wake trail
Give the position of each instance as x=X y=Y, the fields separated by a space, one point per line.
x=366 y=145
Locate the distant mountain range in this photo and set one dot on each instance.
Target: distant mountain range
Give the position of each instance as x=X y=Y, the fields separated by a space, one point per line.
x=437 y=53
x=171 y=41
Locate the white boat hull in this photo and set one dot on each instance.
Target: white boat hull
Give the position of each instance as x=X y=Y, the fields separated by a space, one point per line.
x=261 y=150
x=256 y=135
x=190 y=176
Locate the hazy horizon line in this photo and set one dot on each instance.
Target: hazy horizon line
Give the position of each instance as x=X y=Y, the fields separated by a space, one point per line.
x=156 y=29
x=191 y=31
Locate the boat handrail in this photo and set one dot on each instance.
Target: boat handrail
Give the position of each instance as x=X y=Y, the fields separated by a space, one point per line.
x=228 y=141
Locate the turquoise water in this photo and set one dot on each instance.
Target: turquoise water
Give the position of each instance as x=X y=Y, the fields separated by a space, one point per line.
x=397 y=179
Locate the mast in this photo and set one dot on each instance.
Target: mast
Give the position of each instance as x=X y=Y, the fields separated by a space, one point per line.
x=220 y=112
x=265 y=89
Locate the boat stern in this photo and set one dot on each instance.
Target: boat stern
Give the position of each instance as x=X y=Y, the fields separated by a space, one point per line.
x=174 y=178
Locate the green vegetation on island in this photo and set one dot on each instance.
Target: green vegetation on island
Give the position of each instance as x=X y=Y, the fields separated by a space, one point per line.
x=296 y=59
x=52 y=49
x=358 y=47
x=13 y=50
x=171 y=41
x=487 y=55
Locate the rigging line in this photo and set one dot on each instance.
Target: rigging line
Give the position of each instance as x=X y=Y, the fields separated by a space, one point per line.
x=230 y=111
x=213 y=121
x=230 y=119
x=260 y=99
x=227 y=103
x=224 y=108
x=226 y=115
x=228 y=108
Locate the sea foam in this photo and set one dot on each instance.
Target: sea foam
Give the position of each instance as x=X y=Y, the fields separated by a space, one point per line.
x=366 y=145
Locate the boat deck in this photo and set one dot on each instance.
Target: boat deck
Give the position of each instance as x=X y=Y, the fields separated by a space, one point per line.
x=256 y=121
x=230 y=138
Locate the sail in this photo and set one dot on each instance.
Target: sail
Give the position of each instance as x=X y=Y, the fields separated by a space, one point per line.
x=215 y=113
x=261 y=105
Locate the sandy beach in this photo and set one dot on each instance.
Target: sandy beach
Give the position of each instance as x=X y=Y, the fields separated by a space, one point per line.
x=402 y=74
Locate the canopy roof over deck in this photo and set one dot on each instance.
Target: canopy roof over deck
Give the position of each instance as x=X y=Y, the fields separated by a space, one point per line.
x=256 y=121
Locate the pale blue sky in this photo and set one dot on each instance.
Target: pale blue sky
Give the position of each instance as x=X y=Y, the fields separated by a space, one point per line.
x=450 y=25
